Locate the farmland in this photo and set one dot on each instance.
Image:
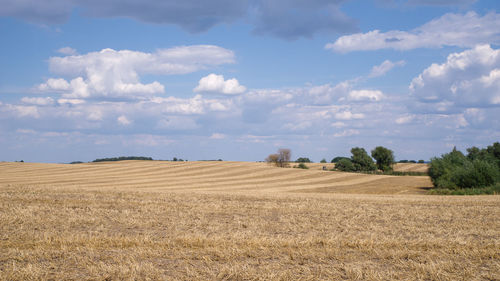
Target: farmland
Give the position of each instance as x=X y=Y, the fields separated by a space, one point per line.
x=238 y=220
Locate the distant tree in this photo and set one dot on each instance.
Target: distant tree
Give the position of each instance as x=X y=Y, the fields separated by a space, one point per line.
x=403 y=161
x=281 y=159
x=338 y=158
x=322 y=160
x=272 y=158
x=384 y=158
x=345 y=164
x=285 y=155
x=174 y=159
x=421 y=161
x=302 y=165
x=303 y=160
x=122 y=158
x=412 y=161
x=361 y=160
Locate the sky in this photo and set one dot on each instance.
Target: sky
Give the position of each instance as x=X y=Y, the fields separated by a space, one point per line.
x=239 y=79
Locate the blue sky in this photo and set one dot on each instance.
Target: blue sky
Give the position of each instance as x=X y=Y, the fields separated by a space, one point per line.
x=237 y=80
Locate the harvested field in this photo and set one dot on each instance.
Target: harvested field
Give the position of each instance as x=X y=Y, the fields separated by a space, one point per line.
x=237 y=221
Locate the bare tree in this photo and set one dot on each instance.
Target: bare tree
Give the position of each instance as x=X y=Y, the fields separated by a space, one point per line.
x=281 y=159
x=273 y=159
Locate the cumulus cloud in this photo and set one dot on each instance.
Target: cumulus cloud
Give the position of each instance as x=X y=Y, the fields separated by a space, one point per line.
x=348 y=115
x=365 y=95
x=217 y=136
x=191 y=106
x=441 y=2
x=214 y=83
x=405 y=119
x=111 y=73
x=38 y=101
x=281 y=18
x=383 y=68
x=123 y=120
x=460 y=30
x=346 y=133
x=67 y=51
x=467 y=79
x=70 y=101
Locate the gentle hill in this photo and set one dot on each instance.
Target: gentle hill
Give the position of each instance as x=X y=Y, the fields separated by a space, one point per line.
x=207 y=176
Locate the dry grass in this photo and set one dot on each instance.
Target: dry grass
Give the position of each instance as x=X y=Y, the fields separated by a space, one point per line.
x=156 y=220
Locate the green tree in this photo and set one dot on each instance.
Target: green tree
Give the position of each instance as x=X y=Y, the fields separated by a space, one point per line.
x=322 y=160
x=455 y=170
x=303 y=160
x=384 y=158
x=345 y=164
x=338 y=158
x=361 y=160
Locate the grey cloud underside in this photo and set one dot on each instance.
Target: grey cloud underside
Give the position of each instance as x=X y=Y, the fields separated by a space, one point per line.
x=428 y=2
x=285 y=19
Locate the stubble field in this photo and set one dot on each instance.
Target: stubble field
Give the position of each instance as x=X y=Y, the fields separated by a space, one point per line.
x=237 y=221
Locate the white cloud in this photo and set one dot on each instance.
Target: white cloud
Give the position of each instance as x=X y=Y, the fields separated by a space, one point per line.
x=339 y=124
x=383 y=68
x=449 y=30
x=365 y=95
x=111 y=73
x=405 y=119
x=54 y=85
x=194 y=105
x=67 y=51
x=26 y=131
x=38 y=101
x=26 y=111
x=70 y=101
x=346 y=133
x=467 y=79
x=216 y=84
x=95 y=115
x=123 y=120
x=217 y=136
x=348 y=115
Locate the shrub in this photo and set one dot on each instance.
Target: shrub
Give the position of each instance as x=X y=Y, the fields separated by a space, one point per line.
x=302 y=166
x=454 y=170
x=421 y=161
x=322 y=160
x=345 y=164
x=303 y=160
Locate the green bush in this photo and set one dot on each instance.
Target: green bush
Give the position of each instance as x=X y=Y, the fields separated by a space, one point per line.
x=345 y=164
x=302 y=166
x=455 y=171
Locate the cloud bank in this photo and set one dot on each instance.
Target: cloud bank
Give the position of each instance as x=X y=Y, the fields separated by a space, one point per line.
x=459 y=30
x=111 y=74
x=280 y=18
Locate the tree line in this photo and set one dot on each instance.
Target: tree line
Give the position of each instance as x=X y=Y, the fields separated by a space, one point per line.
x=479 y=168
